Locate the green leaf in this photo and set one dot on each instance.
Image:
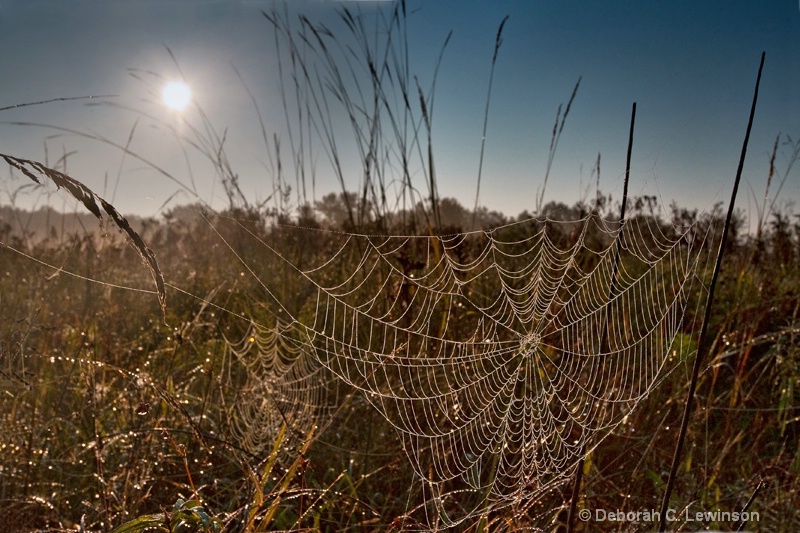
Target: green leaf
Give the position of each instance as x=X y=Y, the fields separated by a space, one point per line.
x=149 y=522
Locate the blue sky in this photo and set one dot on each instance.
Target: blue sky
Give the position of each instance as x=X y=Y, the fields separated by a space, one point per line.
x=690 y=66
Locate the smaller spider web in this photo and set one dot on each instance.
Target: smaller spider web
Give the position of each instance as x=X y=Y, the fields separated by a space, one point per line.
x=284 y=385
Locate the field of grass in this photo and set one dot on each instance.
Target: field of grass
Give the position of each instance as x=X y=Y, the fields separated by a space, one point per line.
x=183 y=374
x=109 y=414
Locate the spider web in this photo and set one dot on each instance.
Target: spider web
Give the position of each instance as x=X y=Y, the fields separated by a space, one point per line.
x=499 y=356
x=283 y=386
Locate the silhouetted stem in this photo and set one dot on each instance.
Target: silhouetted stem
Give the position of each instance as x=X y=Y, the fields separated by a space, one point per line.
x=576 y=487
x=741 y=523
x=704 y=329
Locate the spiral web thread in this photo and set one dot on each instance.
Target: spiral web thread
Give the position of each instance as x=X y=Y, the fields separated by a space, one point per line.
x=498 y=355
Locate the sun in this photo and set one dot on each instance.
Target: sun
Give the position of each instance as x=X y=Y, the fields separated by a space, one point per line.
x=176 y=95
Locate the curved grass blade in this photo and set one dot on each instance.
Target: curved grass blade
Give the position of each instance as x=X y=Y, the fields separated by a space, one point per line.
x=35 y=170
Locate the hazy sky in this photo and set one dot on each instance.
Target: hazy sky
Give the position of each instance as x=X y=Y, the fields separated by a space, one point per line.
x=689 y=65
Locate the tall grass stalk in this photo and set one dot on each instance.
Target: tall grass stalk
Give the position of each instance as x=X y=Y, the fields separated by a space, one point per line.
x=612 y=293
x=497 y=42
x=701 y=341
x=558 y=128
x=371 y=81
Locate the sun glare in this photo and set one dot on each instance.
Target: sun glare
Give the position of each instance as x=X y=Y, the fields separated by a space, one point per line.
x=176 y=95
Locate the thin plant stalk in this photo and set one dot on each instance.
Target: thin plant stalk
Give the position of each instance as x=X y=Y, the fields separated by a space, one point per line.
x=706 y=317
x=576 y=487
x=63 y=99
x=558 y=127
x=498 y=41
x=741 y=523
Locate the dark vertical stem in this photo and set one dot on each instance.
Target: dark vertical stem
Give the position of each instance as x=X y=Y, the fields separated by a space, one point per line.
x=704 y=329
x=576 y=487
x=741 y=523
x=624 y=204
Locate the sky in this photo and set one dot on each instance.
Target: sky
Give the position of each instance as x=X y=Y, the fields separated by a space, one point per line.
x=689 y=66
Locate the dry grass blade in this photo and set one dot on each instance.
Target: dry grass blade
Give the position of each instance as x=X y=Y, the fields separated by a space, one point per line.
x=62 y=99
x=497 y=43
x=558 y=127
x=90 y=200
